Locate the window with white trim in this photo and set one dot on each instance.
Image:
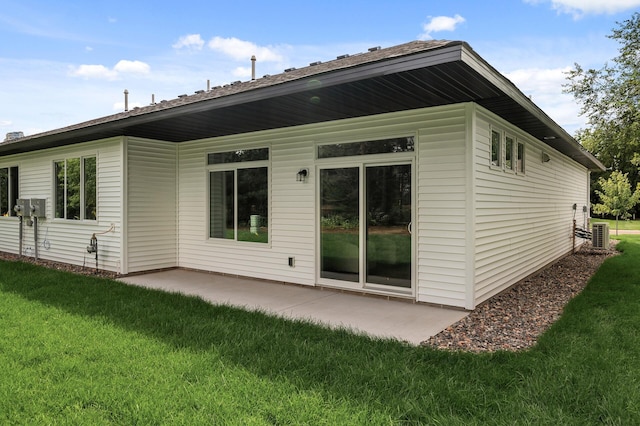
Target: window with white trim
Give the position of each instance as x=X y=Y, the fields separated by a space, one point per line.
x=75 y=188
x=239 y=195
x=507 y=152
x=520 y=158
x=496 y=148
x=8 y=190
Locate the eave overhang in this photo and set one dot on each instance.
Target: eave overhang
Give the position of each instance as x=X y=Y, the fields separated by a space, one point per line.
x=410 y=76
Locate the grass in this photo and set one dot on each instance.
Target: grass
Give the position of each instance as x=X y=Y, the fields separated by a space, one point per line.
x=623 y=225
x=83 y=350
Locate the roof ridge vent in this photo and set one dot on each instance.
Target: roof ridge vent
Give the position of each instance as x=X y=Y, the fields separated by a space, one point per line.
x=346 y=55
x=197 y=92
x=373 y=49
x=182 y=96
x=290 y=69
x=313 y=64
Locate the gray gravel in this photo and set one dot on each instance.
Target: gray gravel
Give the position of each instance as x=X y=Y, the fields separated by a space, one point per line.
x=513 y=320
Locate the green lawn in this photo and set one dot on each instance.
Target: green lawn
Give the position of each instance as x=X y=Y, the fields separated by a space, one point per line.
x=81 y=350
x=623 y=225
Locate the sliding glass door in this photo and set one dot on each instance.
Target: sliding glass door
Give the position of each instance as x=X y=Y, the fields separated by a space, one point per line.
x=365 y=225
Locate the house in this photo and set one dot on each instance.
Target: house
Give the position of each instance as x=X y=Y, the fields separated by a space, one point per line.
x=416 y=171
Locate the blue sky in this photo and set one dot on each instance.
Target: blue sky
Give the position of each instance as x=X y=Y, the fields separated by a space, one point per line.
x=66 y=61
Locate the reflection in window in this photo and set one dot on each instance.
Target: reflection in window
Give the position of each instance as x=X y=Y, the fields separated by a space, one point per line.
x=520 y=161
x=75 y=188
x=508 y=153
x=495 y=148
x=239 y=204
x=382 y=146
x=8 y=190
x=238 y=156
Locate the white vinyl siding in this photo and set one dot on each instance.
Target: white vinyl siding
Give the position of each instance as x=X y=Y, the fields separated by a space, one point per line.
x=62 y=240
x=151 y=209
x=442 y=207
x=291 y=227
x=439 y=206
x=523 y=222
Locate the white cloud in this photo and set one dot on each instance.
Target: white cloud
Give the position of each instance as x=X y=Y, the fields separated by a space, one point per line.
x=132 y=67
x=441 y=23
x=544 y=86
x=100 y=72
x=189 y=41
x=243 y=50
x=5 y=123
x=579 y=8
x=94 y=72
x=242 y=72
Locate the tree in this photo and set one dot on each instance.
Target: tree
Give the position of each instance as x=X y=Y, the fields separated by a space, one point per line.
x=616 y=196
x=610 y=98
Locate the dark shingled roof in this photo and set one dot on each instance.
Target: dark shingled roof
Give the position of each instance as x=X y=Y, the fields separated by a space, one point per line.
x=409 y=76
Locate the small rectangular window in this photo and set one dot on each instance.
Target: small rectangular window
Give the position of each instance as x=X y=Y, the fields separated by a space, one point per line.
x=8 y=190
x=496 y=148
x=509 y=152
x=75 y=188
x=382 y=146
x=238 y=156
x=520 y=159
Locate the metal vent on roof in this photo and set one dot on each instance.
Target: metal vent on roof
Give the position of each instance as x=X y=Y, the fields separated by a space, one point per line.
x=182 y=96
x=199 y=91
x=266 y=75
x=290 y=69
x=346 y=55
x=373 y=49
x=313 y=64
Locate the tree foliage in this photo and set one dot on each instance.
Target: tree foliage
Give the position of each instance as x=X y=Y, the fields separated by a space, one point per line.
x=610 y=98
x=616 y=196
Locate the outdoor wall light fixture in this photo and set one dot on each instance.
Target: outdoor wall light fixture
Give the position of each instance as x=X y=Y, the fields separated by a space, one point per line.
x=302 y=175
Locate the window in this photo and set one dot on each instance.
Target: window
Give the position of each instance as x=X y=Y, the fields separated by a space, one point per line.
x=8 y=190
x=382 y=146
x=496 y=148
x=75 y=188
x=520 y=158
x=239 y=195
x=509 y=153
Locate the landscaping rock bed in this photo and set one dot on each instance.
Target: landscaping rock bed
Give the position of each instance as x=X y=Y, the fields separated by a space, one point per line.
x=84 y=270
x=514 y=319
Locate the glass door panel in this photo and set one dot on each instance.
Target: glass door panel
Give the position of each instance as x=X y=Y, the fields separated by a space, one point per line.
x=340 y=224
x=388 y=225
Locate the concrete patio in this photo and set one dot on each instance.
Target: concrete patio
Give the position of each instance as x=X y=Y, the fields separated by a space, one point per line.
x=377 y=317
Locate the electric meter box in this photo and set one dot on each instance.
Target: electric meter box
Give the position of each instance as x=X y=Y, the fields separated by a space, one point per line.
x=23 y=207
x=38 y=207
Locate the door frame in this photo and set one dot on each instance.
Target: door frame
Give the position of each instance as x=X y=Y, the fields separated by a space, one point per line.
x=362 y=163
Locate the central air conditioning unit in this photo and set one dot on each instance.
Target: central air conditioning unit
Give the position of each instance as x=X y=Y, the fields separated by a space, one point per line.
x=600 y=235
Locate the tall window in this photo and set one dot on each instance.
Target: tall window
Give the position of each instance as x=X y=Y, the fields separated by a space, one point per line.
x=8 y=190
x=509 y=153
x=520 y=161
x=75 y=188
x=496 y=148
x=239 y=195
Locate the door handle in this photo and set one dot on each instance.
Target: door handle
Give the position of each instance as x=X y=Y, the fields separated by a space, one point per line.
x=409 y=228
